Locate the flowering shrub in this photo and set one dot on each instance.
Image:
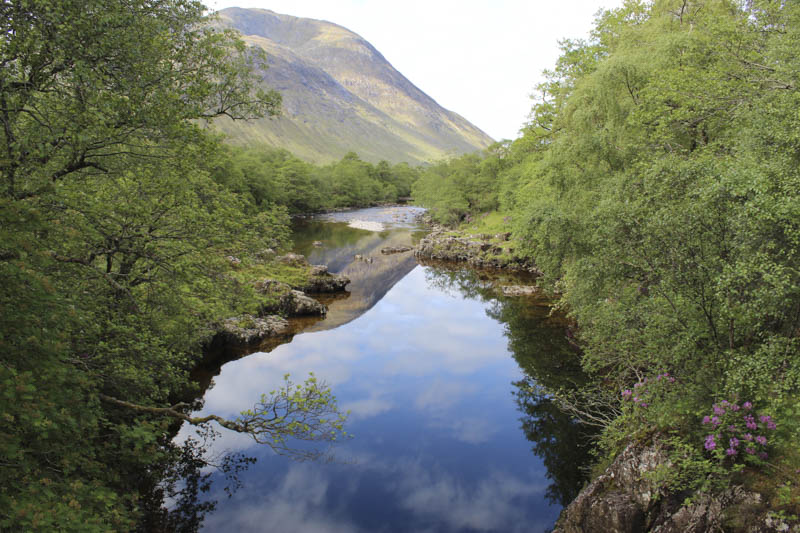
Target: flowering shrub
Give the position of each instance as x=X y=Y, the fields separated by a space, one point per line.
x=645 y=391
x=737 y=431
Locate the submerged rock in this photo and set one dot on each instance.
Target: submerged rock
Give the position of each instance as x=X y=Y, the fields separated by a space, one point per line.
x=518 y=290
x=395 y=249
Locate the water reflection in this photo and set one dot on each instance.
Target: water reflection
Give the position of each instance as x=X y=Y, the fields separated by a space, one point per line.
x=434 y=369
x=536 y=340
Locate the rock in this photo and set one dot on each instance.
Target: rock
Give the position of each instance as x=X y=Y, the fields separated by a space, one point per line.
x=266 y=254
x=235 y=261
x=395 y=249
x=248 y=329
x=293 y=259
x=323 y=281
x=271 y=287
x=319 y=270
x=623 y=500
x=297 y=303
x=518 y=290
x=503 y=236
x=478 y=253
x=316 y=243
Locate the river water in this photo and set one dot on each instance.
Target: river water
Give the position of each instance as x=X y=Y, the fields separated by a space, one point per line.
x=436 y=368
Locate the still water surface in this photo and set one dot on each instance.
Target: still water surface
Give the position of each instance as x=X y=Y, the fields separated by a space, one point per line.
x=433 y=365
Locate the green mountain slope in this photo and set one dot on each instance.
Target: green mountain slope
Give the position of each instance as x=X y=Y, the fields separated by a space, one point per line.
x=341 y=95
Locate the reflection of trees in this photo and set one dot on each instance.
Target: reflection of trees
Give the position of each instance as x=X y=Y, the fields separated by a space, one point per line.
x=539 y=344
x=182 y=477
x=561 y=442
x=540 y=347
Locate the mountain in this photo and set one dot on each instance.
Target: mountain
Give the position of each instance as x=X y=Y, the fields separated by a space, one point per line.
x=340 y=95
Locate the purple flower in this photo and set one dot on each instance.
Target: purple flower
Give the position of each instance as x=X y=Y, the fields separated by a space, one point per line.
x=751 y=451
x=734 y=442
x=637 y=385
x=731 y=451
x=735 y=407
x=761 y=440
x=626 y=393
x=643 y=404
x=671 y=380
x=719 y=410
x=771 y=425
x=731 y=428
x=706 y=419
x=763 y=455
x=715 y=421
x=747 y=406
x=750 y=422
x=747 y=436
x=710 y=444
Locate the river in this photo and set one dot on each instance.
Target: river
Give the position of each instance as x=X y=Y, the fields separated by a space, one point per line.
x=436 y=368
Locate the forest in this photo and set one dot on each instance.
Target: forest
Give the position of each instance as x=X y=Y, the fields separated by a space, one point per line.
x=656 y=187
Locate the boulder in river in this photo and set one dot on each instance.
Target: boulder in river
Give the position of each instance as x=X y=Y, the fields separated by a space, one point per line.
x=297 y=303
x=321 y=280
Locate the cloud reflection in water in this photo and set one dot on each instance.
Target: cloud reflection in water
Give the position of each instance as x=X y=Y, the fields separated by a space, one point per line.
x=427 y=376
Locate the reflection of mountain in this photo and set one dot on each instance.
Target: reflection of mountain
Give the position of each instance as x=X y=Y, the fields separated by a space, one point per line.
x=370 y=278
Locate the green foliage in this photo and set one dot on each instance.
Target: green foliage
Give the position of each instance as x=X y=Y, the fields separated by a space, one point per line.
x=656 y=186
x=126 y=233
x=268 y=177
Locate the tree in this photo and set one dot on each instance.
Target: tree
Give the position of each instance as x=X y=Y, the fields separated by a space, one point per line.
x=113 y=245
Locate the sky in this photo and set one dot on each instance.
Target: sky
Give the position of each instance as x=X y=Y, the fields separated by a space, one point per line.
x=479 y=58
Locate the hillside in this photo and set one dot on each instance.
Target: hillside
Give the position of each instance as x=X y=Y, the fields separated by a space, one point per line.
x=340 y=95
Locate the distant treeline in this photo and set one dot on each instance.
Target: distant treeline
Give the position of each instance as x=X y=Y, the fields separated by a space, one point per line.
x=270 y=177
x=657 y=186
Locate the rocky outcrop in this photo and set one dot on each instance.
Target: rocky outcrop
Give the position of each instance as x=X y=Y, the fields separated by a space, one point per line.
x=480 y=251
x=322 y=281
x=248 y=329
x=624 y=500
x=296 y=303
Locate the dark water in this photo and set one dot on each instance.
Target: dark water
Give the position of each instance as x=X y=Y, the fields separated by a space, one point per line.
x=435 y=367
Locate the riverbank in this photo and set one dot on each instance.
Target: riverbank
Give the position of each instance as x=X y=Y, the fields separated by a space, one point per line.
x=480 y=250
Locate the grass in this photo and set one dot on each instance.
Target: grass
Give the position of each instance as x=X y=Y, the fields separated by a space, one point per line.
x=492 y=222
